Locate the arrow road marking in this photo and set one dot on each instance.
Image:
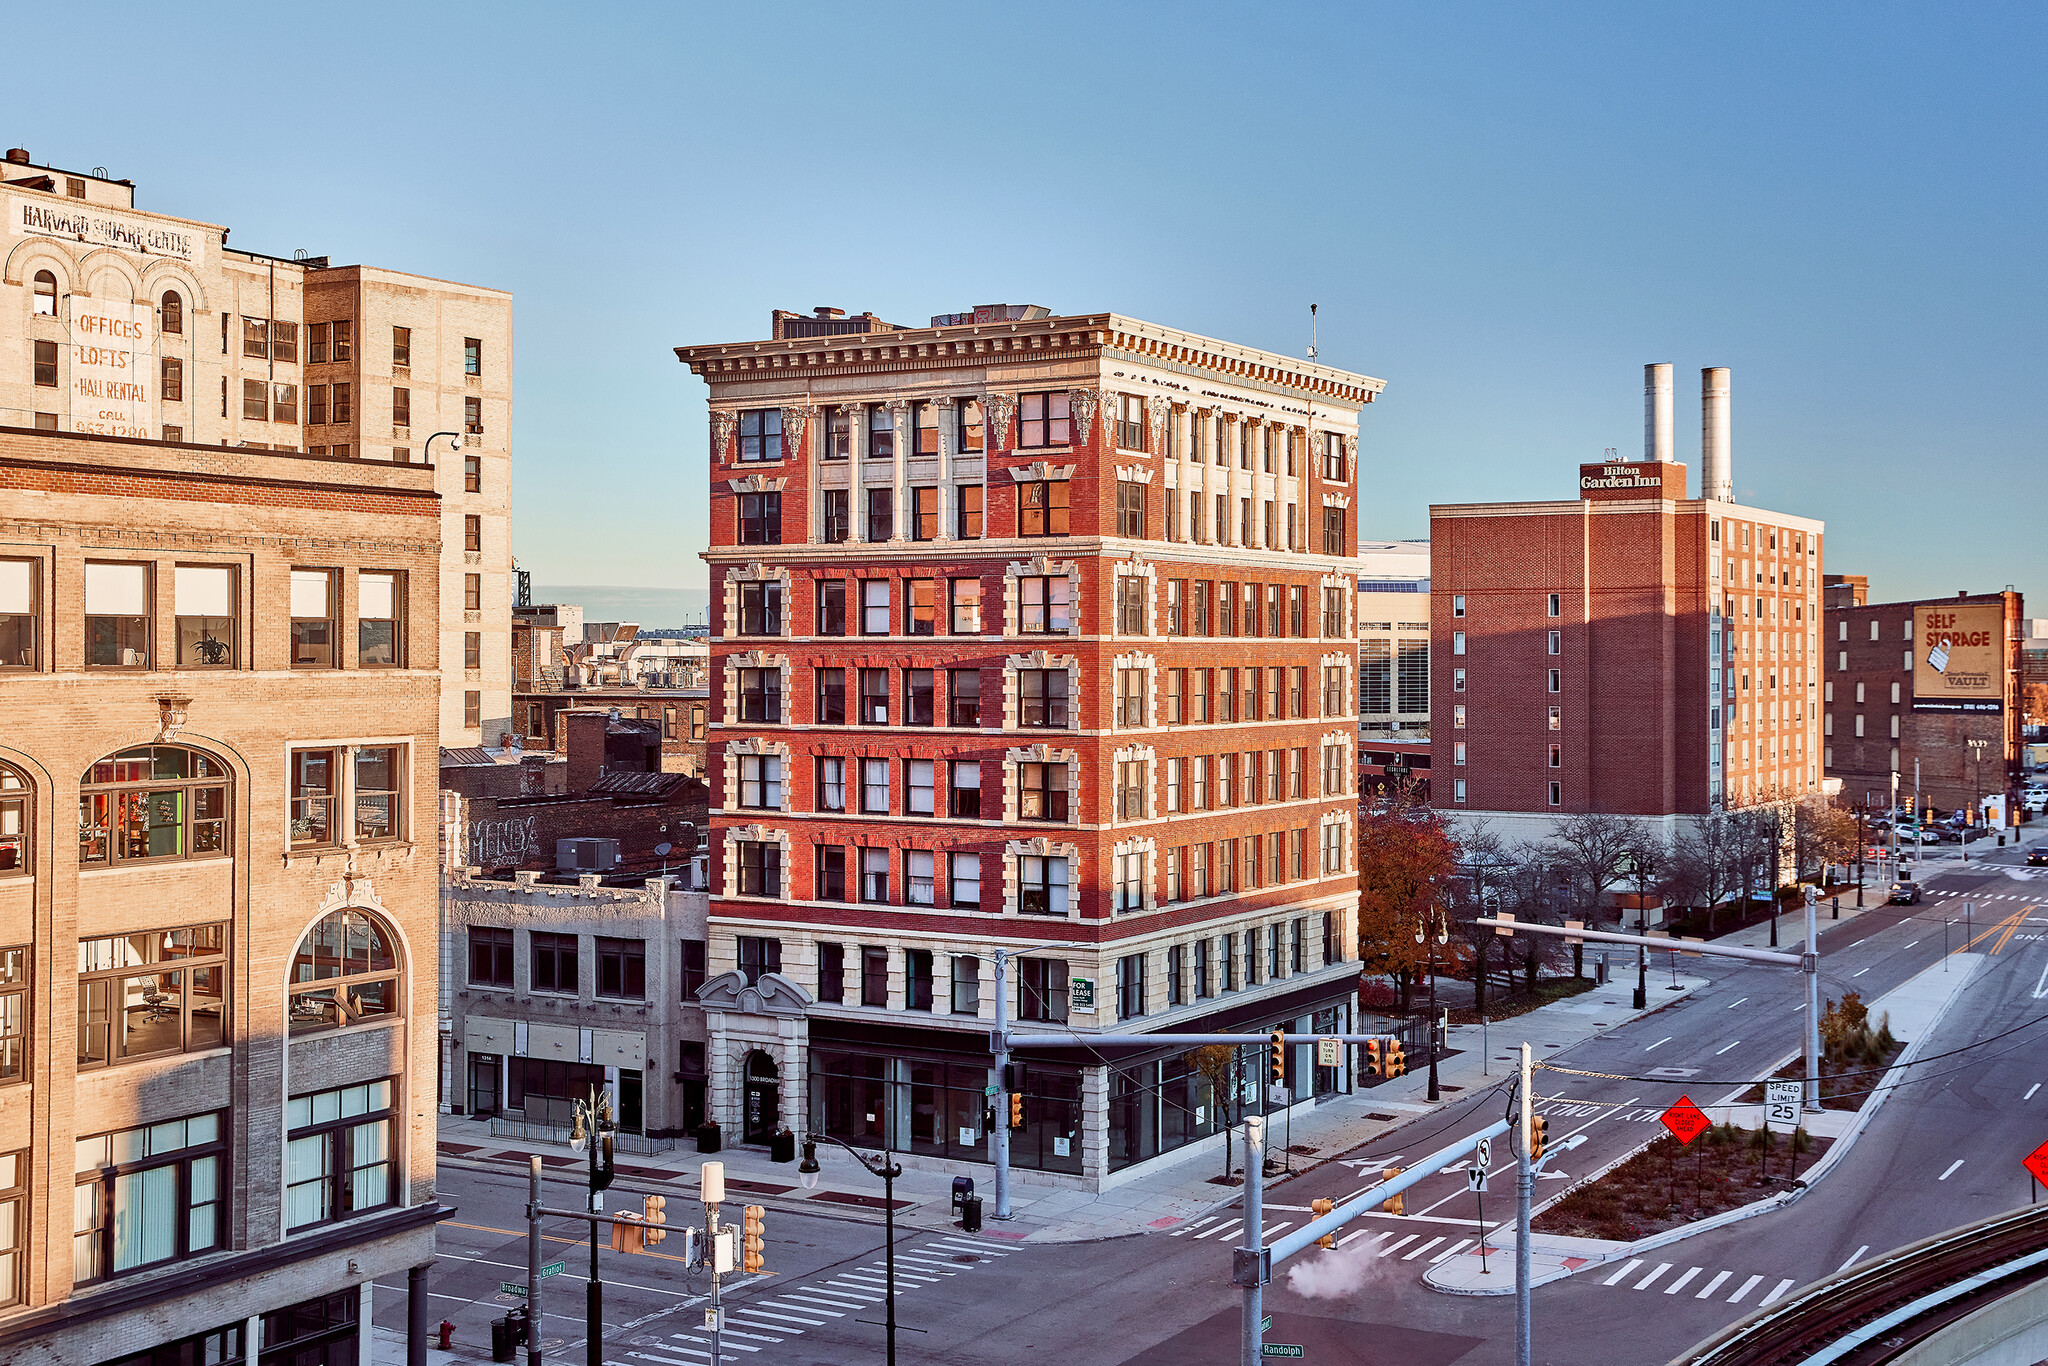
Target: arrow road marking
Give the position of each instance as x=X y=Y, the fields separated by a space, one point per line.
x=1951 y=1170
x=1854 y=1258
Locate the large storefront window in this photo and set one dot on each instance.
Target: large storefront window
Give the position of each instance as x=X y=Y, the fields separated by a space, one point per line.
x=546 y=1091
x=940 y=1108
x=319 y=1332
x=1156 y=1107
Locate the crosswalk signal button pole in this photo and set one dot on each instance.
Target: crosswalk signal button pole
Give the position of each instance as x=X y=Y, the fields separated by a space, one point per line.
x=654 y=1213
x=1322 y=1207
x=1279 y=1055
x=753 y=1242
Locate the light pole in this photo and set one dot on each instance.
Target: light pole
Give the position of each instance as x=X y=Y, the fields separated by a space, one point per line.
x=1638 y=865
x=808 y=1170
x=1977 y=747
x=427 y=451
x=593 y=1125
x=1425 y=934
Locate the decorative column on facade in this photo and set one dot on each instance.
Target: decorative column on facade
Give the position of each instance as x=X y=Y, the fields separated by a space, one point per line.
x=997 y=410
x=856 y=474
x=797 y=419
x=899 y=521
x=724 y=421
x=949 y=436
x=1082 y=406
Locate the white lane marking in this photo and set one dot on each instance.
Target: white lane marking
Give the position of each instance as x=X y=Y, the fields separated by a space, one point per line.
x=1221 y=1228
x=1453 y=1250
x=1707 y=1291
x=1747 y=1286
x=1396 y=1246
x=831 y=1307
x=1719 y=1051
x=732 y=1332
x=1659 y=1044
x=1859 y=972
x=1913 y=944
x=1801 y=1006
x=1623 y=1272
x=947 y=1267
x=1733 y=1004
x=1680 y=1283
x=1420 y=1250
x=1951 y=1170
x=1191 y=1227
x=903 y=1275
x=1644 y=1283
x=2041 y=987
x=2030 y=1091
x=1778 y=1290
x=1854 y=1258
x=862 y=1290
x=834 y=1295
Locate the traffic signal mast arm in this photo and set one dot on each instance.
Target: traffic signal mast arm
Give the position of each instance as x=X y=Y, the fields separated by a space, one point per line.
x=1070 y=1040
x=1506 y=924
x=1305 y=1236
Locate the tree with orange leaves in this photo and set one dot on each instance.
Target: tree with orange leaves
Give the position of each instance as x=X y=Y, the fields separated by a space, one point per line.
x=1406 y=859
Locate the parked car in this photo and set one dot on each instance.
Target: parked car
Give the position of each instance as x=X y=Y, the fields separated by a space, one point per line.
x=1904 y=894
x=1972 y=832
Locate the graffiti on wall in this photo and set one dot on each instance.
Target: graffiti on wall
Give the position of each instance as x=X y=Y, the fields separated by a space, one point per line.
x=497 y=843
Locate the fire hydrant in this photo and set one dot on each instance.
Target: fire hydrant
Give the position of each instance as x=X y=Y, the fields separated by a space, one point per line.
x=447 y=1331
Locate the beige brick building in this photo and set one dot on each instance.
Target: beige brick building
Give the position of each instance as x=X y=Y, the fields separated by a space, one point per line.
x=116 y=321
x=217 y=888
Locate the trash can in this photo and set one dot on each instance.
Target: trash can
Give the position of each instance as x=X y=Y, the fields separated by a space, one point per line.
x=709 y=1139
x=782 y=1147
x=970 y=1214
x=501 y=1339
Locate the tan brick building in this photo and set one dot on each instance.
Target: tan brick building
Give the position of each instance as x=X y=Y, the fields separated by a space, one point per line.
x=118 y=321
x=217 y=888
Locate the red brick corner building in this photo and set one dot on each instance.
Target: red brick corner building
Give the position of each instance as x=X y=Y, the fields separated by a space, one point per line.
x=1030 y=631
x=1631 y=651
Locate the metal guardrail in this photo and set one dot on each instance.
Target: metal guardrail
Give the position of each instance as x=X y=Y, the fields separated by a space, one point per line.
x=1846 y=1312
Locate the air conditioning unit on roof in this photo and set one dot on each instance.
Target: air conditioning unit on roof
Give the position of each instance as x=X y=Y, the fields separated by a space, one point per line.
x=586 y=855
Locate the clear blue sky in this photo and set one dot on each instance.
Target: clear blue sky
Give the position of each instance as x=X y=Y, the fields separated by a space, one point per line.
x=1502 y=210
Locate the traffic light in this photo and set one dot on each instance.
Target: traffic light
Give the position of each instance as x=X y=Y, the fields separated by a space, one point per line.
x=1397 y=1204
x=752 y=1242
x=1016 y=1109
x=1279 y=1055
x=1397 y=1059
x=1539 y=1135
x=627 y=1234
x=653 y=1214
x=1375 y=1066
x=1322 y=1207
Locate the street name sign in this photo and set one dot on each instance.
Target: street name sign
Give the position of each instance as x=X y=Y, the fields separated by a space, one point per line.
x=553 y=1269
x=1781 y=1102
x=1685 y=1120
x=1266 y=1324
x=1281 y=1349
x=512 y=1288
x=2037 y=1163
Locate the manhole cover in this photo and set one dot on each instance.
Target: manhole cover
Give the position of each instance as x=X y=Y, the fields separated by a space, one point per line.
x=1375 y=1114
x=968 y=1258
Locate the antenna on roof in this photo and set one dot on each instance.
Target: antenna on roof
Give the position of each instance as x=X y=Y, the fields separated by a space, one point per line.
x=1311 y=331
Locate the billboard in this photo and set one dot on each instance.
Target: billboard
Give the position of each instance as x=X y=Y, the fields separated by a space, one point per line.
x=1959 y=657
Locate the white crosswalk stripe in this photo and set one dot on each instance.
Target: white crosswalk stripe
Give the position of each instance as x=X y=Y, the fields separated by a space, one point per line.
x=1716 y=1280
x=775 y=1317
x=1191 y=1225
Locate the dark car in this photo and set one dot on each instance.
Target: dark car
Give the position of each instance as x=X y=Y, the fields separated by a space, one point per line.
x=2037 y=858
x=1905 y=894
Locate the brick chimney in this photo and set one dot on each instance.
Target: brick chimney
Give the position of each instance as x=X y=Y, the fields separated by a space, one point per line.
x=583 y=732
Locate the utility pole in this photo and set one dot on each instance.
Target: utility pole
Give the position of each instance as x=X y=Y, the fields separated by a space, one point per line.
x=533 y=1264
x=1000 y=1137
x=1253 y=1270
x=596 y=1114
x=1433 y=935
x=711 y=1189
x=1812 y=971
x=1525 y=1185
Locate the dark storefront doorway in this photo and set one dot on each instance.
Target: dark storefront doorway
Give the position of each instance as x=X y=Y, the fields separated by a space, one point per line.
x=483 y=1083
x=763 y=1098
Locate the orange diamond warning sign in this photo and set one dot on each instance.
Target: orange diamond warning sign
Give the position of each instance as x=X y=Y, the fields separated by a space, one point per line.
x=1686 y=1121
x=2037 y=1163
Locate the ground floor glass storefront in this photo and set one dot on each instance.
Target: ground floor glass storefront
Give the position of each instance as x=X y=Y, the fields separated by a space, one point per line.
x=941 y=1108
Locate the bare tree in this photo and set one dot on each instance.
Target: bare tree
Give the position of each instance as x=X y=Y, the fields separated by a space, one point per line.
x=1484 y=867
x=1217 y=1064
x=1704 y=867
x=1588 y=848
x=1821 y=834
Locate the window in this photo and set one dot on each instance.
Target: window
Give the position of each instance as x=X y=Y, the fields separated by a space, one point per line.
x=1556 y=644
x=14 y=1225
x=344 y=972
x=622 y=969
x=14 y=851
x=1130 y=697
x=966 y=984
x=1176 y=685
x=761 y=781
x=1333 y=458
x=838 y=431
x=344 y=405
x=917 y=697
x=171 y=431
x=1041 y=885
x=472 y=533
x=401 y=347
x=156 y=802
x=256 y=337
x=1176 y=619
x=967 y=415
x=1226 y=962
x=1042 y=989
x=117 y=615
x=1043 y=420
x=831 y=783
x=830 y=883
x=832 y=971
x=204 y=598
x=1556 y=680
x=316 y=408
x=881 y=432
x=472 y=412
x=924 y=427
x=1130 y=508
x=874 y=976
x=1130 y=422
x=967 y=512
x=472 y=649
x=964 y=606
x=874 y=607
x=761 y=435
x=1556 y=602
x=831 y=607
x=1130 y=883
x=401 y=407
x=1043 y=605
x=919 y=790
x=147 y=1196
x=256 y=400
x=917 y=978
x=924 y=514
x=874 y=876
x=1133 y=617
x=761 y=609
x=1557 y=756
x=1042 y=508
x=1130 y=986
x=693 y=968
x=46 y=365
x=874 y=697
x=472 y=474
x=144 y=995
x=760 y=519
x=46 y=306
x=1172 y=518
x=313 y=614
x=838 y=517
x=1557 y=718
x=1042 y=792
x=963 y=697
x=1042 y=698
x=760 y=864
x=1333 y=857
x=340 y=1155
x=963 y=783
x=1176 y=976
x=472 y=709
x=379 y=770
x=1556 y=794
x=1297 y=621
x=490 y=957
x=760 y=693
x=920 y=607
x=874 y=786
x=472 y=352
x=173 y=380
x=315 y=790
x=1333 y=690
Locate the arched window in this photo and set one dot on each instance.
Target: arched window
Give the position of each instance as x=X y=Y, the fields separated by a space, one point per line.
x=13 y=830
x=46 y=294
x=174 y=312
x=155 y=802
x=344 y=973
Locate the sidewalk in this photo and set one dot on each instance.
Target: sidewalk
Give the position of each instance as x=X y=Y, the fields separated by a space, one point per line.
x=1171 y=1191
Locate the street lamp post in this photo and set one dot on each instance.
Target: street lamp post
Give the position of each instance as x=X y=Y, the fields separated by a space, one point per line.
x=1433 y=936
x=1638 y=865
x=808 y=1171
x=593 y=1125
x=427 y=451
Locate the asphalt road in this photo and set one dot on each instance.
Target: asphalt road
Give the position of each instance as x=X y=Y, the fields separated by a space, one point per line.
x=1942 y=1151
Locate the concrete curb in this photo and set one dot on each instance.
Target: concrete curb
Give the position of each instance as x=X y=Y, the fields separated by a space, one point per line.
x=1836 y=1150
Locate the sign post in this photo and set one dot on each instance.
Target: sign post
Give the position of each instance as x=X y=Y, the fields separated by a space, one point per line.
x=1781 y=1103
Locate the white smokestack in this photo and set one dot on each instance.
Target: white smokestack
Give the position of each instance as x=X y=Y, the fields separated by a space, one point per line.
x=1717 y=461
x=1656 y=412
